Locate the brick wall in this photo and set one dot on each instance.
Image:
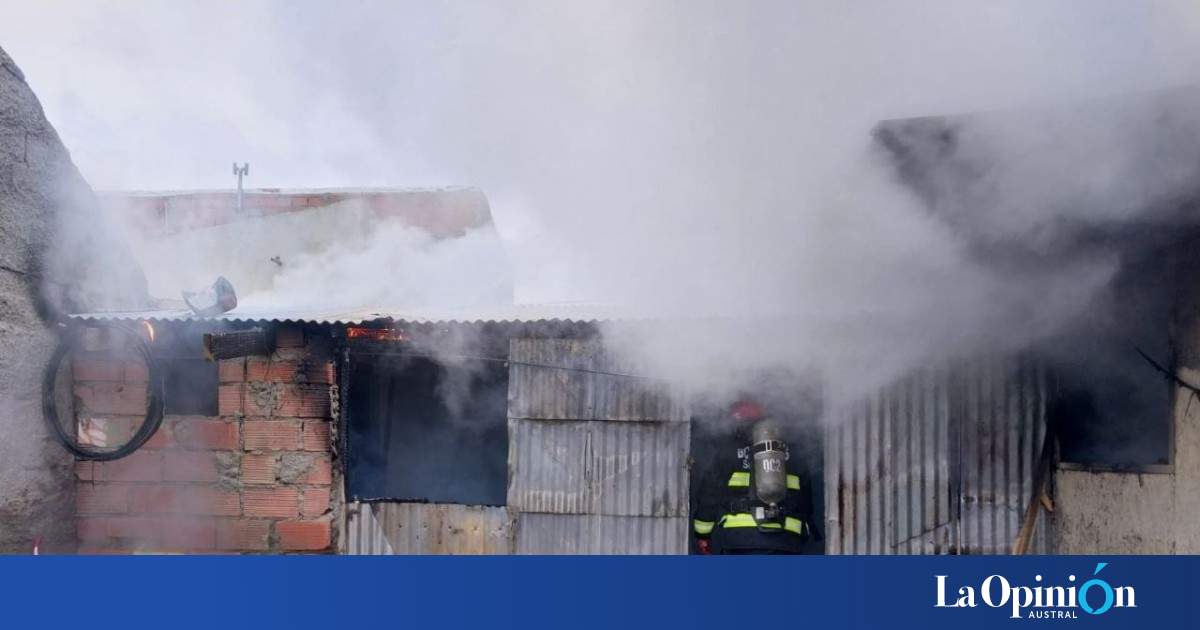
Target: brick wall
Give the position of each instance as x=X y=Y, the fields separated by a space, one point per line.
x=257 y=477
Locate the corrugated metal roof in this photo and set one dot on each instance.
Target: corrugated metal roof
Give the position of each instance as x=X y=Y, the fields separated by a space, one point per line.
x=512 y=313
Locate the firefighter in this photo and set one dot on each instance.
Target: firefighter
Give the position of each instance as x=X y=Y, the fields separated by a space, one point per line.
x=750 y=501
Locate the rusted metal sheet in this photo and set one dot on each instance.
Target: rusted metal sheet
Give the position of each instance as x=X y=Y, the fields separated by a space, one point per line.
x=564 y=379
x=589 y=467
x=389 y=528
x=939 y=463
x=600 y=534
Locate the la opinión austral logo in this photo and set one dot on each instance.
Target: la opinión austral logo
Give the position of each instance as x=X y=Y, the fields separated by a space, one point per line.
x=1039 y=600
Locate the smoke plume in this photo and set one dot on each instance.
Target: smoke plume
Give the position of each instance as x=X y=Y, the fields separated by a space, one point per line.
x=705 y=163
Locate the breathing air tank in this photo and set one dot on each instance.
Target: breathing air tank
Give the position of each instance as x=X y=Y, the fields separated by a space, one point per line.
x=770 y=463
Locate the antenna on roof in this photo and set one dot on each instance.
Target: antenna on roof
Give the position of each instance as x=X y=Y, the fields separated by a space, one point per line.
x=241 y=171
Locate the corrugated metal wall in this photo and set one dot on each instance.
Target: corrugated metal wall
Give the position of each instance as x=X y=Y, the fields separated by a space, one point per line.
x=423 y=528
x=589 y=467
x=597 y=385
x=597 y=458
x=599 y=534
x=939 y=463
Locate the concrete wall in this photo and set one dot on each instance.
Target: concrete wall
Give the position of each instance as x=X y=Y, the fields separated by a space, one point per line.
x=1187 y=466
x=45 y=267
x=1136 y=512
x=1113 y=513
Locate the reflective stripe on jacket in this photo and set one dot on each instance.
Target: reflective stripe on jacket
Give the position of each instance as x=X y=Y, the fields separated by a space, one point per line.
x=741 y=479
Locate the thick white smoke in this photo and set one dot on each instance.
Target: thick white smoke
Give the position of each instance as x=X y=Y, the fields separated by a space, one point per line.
x=393 y=267
x=692 y=159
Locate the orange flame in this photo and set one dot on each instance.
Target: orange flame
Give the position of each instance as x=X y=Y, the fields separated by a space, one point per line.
x=375 y=334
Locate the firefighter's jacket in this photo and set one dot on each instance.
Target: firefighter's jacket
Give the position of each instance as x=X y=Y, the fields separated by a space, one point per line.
x=724 y=503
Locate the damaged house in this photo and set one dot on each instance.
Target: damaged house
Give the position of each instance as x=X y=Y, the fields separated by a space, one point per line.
x=1083 y=441
x=318 y=422
x=488 y=430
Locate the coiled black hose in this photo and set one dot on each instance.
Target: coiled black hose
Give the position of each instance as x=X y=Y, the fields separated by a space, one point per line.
x=68 y=342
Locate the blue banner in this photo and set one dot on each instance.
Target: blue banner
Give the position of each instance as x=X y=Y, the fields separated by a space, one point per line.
x=596 y=592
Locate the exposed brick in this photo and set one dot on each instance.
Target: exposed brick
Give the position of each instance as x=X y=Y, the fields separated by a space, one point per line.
x=189 y=533
x=229 y=399
x=142 y=529
x=101 y=499
x=112 y=398
x=315 y=502
x=268 y=370
x=315 y=436
x=184 y=500
x=109 y=368
x=186 y=214
x=83 y=470
x=258 y=469
x=243 y=534
x=97 y=369
x=231 y=370
x=321 y=473
x=153 y=499
x=180 y=419
x=98 y=550
x=146 y=215
x=91 y=528
x=271 y=435
x=97 y=339
x=274 y=502
x=289 y=337
x=290 y=370
x=311 y=535
x=142 y=465
x=205 y=433
x=268 y=210
x=306 y=401
x=185 y=466
x=300 y=400
x=330 y=374
x=161 y=438
x=136 y=371
x=270 y=200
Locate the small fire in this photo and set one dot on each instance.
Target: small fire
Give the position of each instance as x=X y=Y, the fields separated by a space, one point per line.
x=149 y=330
x=375 y=334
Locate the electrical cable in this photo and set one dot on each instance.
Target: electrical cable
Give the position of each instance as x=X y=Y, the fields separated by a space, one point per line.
x=154 y=403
